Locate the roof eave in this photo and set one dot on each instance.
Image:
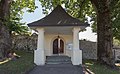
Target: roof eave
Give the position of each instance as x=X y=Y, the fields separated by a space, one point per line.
x=45 y=25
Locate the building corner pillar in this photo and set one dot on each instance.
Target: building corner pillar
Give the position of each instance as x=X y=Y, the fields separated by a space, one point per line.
x=39 y=56
x=76 y=53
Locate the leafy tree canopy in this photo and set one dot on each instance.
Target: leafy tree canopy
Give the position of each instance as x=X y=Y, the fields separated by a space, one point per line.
x=17 y=8
x=76 y=8
x=115 y=18
x=82 y=8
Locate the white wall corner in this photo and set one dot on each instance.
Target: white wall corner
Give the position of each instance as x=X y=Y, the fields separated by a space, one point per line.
x=77 y=57
x=39 y=57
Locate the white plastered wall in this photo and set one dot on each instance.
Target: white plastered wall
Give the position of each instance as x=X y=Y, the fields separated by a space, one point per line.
x=49 y=38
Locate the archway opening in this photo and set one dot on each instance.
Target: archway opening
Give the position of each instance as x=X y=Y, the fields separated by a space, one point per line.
x=58 y=46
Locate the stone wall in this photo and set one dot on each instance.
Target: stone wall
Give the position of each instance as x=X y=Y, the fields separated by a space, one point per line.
x=89 y=49
x=116 y=50
x=24 y=42
x=117 y=54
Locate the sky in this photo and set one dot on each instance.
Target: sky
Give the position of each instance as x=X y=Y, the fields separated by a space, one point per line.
x=37 y=14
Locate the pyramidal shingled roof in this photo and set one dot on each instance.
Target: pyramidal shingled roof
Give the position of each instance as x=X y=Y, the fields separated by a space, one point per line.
x=58 y=17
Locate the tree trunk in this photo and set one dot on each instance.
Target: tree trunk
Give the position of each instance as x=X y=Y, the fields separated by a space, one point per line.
x=104 y=32
x=5 y=39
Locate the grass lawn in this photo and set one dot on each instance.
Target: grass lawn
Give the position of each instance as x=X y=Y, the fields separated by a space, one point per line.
x=25 y=63
x=95 y=68
x=19 y=66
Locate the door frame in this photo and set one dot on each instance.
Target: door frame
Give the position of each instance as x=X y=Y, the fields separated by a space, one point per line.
x=51 y=45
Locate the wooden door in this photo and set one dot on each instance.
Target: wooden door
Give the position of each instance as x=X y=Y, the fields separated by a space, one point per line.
x=61 y=46
x=56 y=48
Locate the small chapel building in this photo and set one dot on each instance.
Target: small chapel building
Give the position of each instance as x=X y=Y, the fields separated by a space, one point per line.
x=58 y=34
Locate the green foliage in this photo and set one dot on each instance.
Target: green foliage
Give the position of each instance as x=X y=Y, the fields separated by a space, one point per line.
x=76 y=8
x=82 y=8
x=115 y=18
x=16 y=11
x=116 y=41
x=94 y=27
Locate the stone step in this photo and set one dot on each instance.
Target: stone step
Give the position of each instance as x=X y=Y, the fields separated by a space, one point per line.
x=58 y=60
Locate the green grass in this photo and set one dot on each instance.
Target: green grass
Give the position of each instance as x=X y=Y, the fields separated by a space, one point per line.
x=98 y=68
x=25 y=63
x=19 y=66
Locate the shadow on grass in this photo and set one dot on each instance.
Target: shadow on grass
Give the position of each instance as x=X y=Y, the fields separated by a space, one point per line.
x=95 y=68
x=19 y=66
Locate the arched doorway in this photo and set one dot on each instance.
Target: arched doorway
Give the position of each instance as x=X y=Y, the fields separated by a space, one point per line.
x=58 y=46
